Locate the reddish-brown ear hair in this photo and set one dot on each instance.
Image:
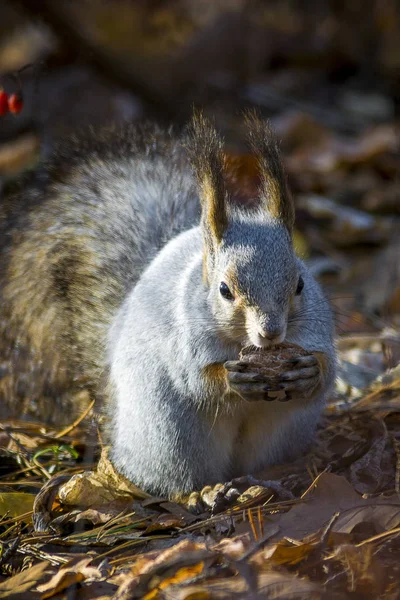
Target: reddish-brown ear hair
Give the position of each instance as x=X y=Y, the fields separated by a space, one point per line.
x=205 y=151
x=274 y=191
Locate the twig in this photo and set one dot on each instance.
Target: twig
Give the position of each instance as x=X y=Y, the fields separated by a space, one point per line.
x=379 y=536
x=252 y=525
x=68 y=429
x=26 y=455
x=52 y=558
x=132 y=543
x=396 y=446
x=19 y=518
x=313 y=484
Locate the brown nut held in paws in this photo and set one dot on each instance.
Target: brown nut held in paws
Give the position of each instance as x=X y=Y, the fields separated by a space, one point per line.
x=271 y=362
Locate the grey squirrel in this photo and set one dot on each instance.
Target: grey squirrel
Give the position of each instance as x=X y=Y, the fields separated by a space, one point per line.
x=109 y=282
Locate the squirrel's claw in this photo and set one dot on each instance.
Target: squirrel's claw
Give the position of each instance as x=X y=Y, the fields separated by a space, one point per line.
x=254 y=392
x=254 y=388
x=228 y=493
x=302 y=361
x=251 y=385
x=301 y=381
x=300 y=387
x=304 y=373
x=246 y=377
x=236 y=366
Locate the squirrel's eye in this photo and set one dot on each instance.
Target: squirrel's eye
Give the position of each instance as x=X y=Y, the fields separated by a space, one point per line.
x=225 y=291
x=300 y=286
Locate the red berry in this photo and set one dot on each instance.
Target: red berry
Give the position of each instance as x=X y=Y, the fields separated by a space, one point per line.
x=15 y=103
x=3 y=103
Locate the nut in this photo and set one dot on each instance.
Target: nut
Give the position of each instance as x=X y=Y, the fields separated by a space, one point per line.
x=269 y=362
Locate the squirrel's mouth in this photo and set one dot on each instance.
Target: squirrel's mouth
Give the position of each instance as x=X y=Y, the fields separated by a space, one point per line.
x=265 y=340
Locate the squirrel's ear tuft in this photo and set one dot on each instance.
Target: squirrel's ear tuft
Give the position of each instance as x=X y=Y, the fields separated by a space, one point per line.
x=274 y=192
x=205 y=152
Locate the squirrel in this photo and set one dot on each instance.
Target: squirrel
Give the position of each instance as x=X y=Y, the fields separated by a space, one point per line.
x=129 y=272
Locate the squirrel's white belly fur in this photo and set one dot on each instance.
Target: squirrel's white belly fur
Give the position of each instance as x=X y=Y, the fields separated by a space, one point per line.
x=212 y=439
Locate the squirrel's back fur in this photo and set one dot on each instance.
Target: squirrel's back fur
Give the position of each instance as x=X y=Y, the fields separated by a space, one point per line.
x=73 y=241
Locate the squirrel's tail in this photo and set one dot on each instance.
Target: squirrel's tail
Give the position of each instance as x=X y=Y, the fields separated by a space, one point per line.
x=77 y=238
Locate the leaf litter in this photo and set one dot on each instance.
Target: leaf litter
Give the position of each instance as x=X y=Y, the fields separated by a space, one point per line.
x=97 y=533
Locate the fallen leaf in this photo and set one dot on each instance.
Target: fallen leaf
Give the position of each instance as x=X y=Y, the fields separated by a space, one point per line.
x=383 y=516
x=106 y=512
x=107 y=474
x=85 y=490
x=44 y=500
x=179 y=511
x=268 y=585
x=14 y=504
x=234 y=548
x=98 y=487
x=284 y=586
x=76 y=571
x=185 y=558
x=285 y=553
x=166 y=522
x=367 y=473
x=334 y=494
x=18 y=587
x=179 y=578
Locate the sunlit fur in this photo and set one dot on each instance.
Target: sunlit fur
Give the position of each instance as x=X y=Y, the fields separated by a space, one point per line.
x=110 y=281
x=174 y=408
x=257 y=261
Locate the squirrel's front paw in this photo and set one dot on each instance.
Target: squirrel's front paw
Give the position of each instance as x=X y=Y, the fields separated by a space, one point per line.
x=302 y=376
x=297 y=377
x=245 y=380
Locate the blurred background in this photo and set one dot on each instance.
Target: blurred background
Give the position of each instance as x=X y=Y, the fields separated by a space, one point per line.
x=327 y=75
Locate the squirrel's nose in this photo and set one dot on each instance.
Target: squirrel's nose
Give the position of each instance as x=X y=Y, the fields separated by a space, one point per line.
x=271 y=334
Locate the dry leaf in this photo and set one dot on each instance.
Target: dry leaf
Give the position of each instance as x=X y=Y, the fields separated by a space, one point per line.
x=333 y=494
x=186 y=558
x=75 y=571
x=85 y=490
x=43 y=505
x=166 y=522
x=14 y=504
x=94 y=488
x=286 y=553
x=179 y=578
x=284 y=586
x=18 y=587
x=368 y=474
x=105 y=512
x=234 y=548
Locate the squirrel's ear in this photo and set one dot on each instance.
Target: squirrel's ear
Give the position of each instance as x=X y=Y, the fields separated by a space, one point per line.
x=205 y=152
x=274 y=192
